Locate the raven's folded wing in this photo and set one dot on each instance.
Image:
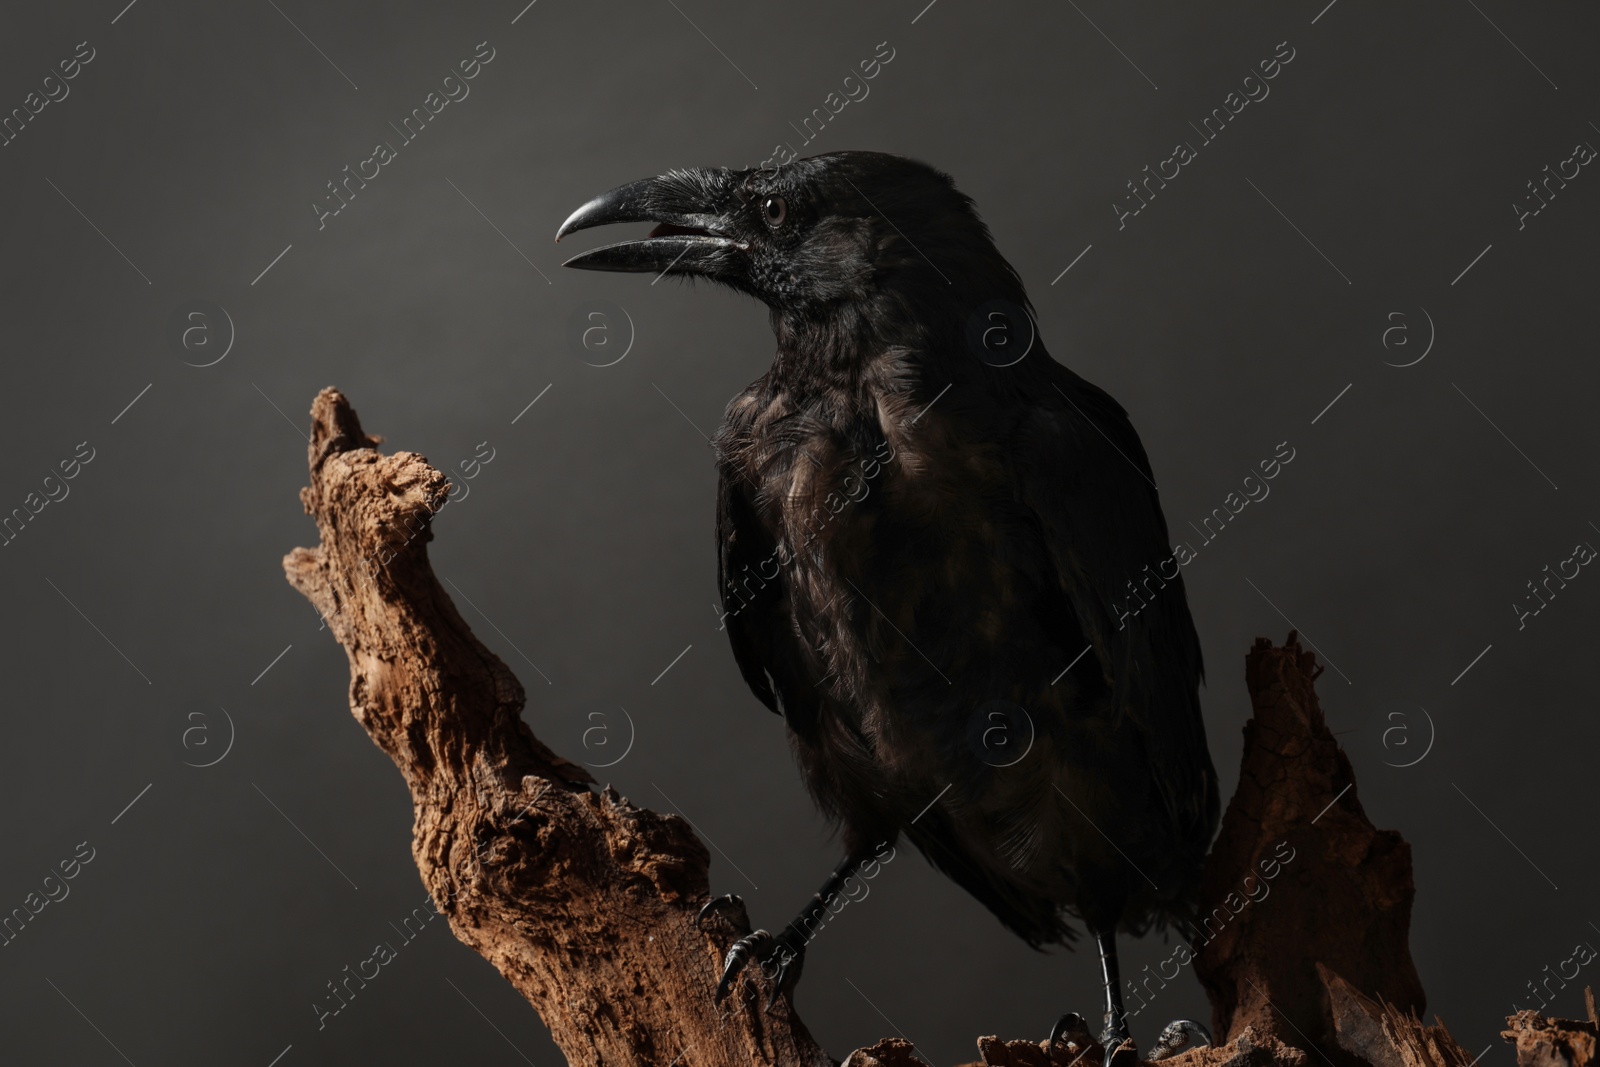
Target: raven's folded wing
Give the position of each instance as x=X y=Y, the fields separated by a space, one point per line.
x=754 y=608
x=1083 y=474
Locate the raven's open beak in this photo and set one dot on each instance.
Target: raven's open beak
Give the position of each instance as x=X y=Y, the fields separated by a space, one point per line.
x=694 y=235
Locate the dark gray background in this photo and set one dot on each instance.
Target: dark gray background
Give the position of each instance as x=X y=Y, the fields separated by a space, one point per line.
x=1399 y=537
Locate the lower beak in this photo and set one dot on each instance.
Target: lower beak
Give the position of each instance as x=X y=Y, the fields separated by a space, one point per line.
x=693 y=254
x=693 y=232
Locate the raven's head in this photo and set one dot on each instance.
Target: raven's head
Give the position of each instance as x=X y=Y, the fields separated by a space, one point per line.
x=813 y=237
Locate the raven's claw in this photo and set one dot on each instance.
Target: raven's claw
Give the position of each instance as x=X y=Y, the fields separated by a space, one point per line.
x=780 y=956
x=714 y=903
x=1178 y=1035
x=1071 y=1029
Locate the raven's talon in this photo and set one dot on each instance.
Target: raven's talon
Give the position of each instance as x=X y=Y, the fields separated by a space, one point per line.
x=715 y=902
x=1071 y=1029
x=781 y=958
x=1178 y=1035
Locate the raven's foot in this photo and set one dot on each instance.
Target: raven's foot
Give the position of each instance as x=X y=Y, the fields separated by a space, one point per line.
x=1114 y=1048
x=1070 y=1030
x=780 y=955
x=1178 y=1035
x=715 y=902
x=1116 y=1031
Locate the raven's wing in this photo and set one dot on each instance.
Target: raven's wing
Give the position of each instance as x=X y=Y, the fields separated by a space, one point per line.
x=1084 y=475
x=755 y=611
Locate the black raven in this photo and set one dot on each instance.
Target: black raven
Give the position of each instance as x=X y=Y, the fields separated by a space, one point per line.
x=930 y=535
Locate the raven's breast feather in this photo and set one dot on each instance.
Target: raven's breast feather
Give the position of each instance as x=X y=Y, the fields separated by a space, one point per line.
x=912 y=566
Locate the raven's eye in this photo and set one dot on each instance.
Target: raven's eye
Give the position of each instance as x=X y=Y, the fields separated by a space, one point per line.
x=776 y=210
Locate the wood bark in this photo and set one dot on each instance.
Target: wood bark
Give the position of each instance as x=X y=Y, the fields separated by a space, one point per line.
x=587 y=904
x=1343 y=897
x=1541 y=1041
x=584 y=902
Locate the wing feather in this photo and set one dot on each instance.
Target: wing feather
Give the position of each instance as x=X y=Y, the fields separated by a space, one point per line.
x=1084 y=475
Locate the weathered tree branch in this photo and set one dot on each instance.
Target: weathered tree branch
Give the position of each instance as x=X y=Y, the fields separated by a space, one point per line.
x=587 y=904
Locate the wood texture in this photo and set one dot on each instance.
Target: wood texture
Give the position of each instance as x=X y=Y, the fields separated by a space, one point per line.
x=1341 y=899
x=584 y=902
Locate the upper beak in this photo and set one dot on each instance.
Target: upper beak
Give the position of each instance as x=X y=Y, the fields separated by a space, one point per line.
x=694 y=235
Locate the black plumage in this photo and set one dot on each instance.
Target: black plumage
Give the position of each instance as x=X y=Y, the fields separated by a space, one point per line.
x=929 y=534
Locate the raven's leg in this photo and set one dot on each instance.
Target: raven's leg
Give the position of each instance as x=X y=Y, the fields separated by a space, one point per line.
x=1072 y=1029
x=782 y=955
x=1116 y=1031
